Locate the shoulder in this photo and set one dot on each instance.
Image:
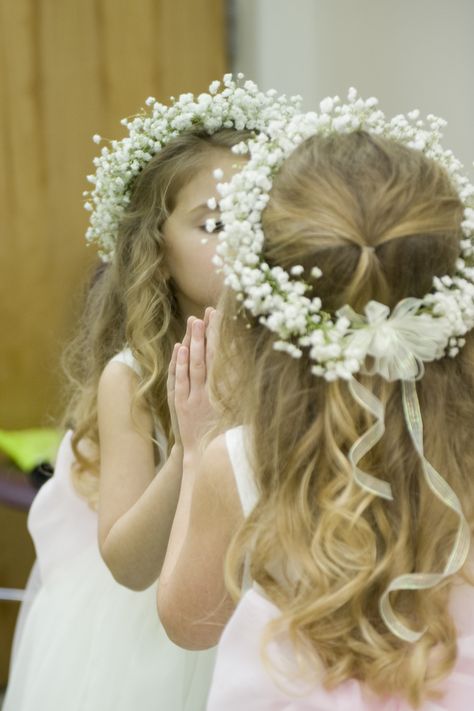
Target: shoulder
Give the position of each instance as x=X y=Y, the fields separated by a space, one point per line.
x=117 y=382
x=215 y=493
x=117 y=387
x=117 y=377
x=121 y=369
x=215 y=454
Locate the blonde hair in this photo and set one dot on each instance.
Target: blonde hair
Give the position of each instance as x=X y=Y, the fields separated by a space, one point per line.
x=323 y=549
x=131 y=302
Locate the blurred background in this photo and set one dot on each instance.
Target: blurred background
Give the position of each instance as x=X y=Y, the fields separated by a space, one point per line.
x=72 y=68
x=68 y=69
x=409 y=54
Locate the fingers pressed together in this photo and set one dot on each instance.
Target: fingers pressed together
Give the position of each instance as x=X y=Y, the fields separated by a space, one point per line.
x=188 y=370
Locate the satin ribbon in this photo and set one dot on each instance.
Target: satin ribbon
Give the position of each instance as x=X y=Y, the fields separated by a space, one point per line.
x=408 y=369
x=369 y=439
x=442 y=490
x=399 y=345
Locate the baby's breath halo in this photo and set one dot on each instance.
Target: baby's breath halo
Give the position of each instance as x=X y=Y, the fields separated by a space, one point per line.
x=232 y=103
x=278 y=299
x=417 y=330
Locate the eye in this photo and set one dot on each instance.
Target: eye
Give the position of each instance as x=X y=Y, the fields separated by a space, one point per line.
x=217 y=228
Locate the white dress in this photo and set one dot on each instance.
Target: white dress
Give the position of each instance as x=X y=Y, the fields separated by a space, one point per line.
x=86 y=643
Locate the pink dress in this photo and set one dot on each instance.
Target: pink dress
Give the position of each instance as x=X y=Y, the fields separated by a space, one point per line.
x=242 y=682
x=87 y=643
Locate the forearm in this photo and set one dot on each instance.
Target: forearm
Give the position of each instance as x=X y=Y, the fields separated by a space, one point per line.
x=192 y=600
x=135 y=546
x=181 y=519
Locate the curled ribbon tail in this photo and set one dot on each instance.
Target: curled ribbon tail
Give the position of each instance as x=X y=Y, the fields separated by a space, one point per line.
x=442 y=490
x=367 y=441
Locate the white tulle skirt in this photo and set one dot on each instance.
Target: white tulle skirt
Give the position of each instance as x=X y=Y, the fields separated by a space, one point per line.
x=83 y=642
x=86 y=643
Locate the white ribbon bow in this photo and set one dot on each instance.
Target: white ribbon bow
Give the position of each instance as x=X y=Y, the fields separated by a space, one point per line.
x=399 y=342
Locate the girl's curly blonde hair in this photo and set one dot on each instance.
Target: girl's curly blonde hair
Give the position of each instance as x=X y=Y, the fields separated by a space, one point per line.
x=131 y=302
x=321 y=548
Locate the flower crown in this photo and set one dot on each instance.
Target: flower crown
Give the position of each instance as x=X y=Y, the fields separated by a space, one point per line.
x=338 y=345
x=234 y=104
x=417 y=330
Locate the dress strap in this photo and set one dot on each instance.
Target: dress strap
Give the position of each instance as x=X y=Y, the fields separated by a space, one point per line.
x=126 y=357
x=244 y=478
x=235 y=440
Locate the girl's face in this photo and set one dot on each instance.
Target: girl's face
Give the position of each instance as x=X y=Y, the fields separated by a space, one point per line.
x=189 y=261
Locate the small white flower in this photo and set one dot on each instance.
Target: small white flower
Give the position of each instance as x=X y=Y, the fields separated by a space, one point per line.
x=326 y=105
x=211 y=225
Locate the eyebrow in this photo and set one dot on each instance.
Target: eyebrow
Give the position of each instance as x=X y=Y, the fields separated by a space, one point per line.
x=204 y=207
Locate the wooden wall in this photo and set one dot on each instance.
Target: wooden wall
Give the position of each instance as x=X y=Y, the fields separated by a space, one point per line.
x=69 y=69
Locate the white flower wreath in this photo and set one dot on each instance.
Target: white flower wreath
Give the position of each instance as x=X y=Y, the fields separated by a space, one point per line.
x=417 y=330
x=234 y=104
x=338 y=345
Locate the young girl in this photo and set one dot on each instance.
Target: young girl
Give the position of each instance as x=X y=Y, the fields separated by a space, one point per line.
x=347 y=516
x=91 y=640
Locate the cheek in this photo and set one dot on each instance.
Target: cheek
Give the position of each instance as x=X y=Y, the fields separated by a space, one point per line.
x=208 y=251
x=204 y=268
x=189 y=262
x=192 y=267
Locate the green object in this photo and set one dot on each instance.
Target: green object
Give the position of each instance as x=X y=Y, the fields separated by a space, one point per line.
x=28 y=448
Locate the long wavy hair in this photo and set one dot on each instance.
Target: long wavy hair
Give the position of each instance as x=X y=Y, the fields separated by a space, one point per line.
x=323 y=549
x=131 y=302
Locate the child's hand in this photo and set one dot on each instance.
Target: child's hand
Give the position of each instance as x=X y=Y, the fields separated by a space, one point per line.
x=170 y=385
x=190 y=393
